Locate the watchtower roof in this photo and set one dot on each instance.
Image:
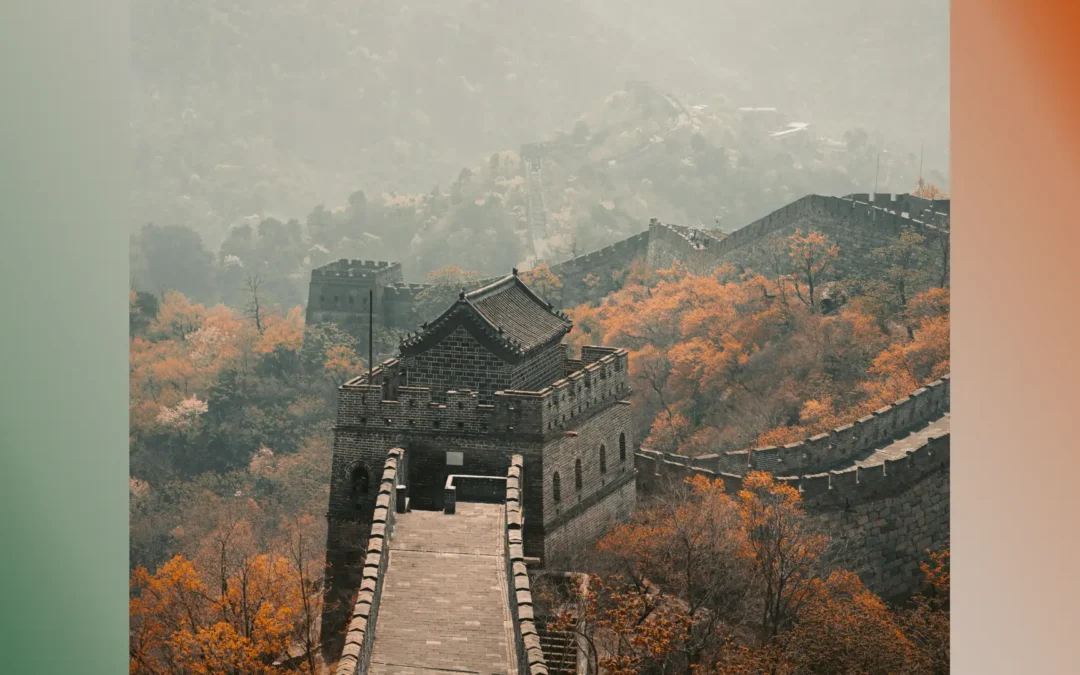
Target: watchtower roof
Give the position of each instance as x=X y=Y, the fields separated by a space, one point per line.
x=511 y=317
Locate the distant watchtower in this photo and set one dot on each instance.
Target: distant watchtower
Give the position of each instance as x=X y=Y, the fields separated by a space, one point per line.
x=488 y=379
x=339 y=293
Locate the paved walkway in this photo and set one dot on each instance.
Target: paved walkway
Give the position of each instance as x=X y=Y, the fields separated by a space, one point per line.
x=444 y=606
x=899 y=447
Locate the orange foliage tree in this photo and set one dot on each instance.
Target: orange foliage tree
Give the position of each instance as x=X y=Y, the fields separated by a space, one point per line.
x=726 y=354
x=542 y=280
x=928 y=190
x=239 y=620
x=704 y=581
x=812 y=256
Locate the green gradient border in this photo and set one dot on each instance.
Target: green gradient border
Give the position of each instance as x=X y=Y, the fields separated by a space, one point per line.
x=64 y=181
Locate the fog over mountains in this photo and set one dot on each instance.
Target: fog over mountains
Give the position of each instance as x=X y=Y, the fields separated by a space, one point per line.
x=243 y=108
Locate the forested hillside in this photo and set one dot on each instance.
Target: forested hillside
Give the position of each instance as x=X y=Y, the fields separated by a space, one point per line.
x=231 y=414
x=243 y=110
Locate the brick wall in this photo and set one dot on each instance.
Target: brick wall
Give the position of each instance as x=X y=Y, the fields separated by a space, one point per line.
x=889 y=514
x=856 y=226
x=887 y=538
x=539 y=369
x=354 y=643
x=599 y=266
x=607 y=492
x=841 y=444
x=565 y=541
x=459 y=362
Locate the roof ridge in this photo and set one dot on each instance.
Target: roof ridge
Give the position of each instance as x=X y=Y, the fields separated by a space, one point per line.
x=484 y=291
x=487 y=308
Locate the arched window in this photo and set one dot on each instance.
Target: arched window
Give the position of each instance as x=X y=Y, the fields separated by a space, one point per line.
x=359 y=485
x=622 y=447
x=577 y=474
x=556 y=487
x=603 y=459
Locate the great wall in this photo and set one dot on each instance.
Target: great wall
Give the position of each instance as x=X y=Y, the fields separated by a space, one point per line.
x=859 y=223
x=880 y=484
x=436 y=574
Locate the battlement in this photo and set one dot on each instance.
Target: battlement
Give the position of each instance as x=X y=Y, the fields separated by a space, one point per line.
x=360 y=633
x=837 y=208
x=530 y=655
x=376 y=270
x=857 y=226
x=904 y=203
x=402 y=292
x=807 y=463
x=617 y=252
x=841 y=444
x=389 y=404
x=820 y=491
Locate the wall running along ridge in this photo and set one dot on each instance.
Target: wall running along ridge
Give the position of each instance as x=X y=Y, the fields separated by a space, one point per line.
x=888 y=514
x=858 y=223
x=838 y=445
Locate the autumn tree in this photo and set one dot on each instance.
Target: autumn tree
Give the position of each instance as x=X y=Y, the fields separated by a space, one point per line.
x=704 y=581
x=342 y=363
x=303 y=552
x=785 y=550
x=927 y=190
x=812 y=257
x=544 y=281
x=842 y=627
x=256 y=302
x=902 y=268
x=234 y=619
x=281 y=340
x=443 y=286
x=177 y=316
x=687 y=543
x=329 y=350
x=927 y=622
x=623 y=626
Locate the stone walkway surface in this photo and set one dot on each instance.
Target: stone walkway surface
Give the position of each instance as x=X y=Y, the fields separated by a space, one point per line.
x=899 y=447
x=444 y=606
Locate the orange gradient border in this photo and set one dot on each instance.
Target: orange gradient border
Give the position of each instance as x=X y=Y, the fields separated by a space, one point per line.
x=1016 y=230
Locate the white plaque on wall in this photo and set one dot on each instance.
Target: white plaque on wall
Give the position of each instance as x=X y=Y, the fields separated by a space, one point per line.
x=455 y=458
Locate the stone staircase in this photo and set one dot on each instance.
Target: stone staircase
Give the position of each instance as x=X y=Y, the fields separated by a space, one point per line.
x=536 y=213
x=560 y=649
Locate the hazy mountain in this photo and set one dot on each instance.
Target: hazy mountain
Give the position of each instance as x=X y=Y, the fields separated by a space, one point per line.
x=242 y=108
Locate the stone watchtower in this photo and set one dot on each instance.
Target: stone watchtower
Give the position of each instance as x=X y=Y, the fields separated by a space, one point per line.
x=487 y=379
x=341 y=292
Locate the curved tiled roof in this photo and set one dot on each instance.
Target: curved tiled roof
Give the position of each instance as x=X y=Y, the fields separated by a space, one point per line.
x=506 y=316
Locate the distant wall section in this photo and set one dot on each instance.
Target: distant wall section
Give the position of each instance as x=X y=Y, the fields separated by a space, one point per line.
x=858 y=227
x=589 y=277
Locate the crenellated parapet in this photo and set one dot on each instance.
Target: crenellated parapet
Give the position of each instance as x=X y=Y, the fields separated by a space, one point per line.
x=830 y=468
x=359 y=635
x=589 y=277
x=841 y=444
x=830 y=489
x=530 y=655
x=389 y=404
x=858 y=223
